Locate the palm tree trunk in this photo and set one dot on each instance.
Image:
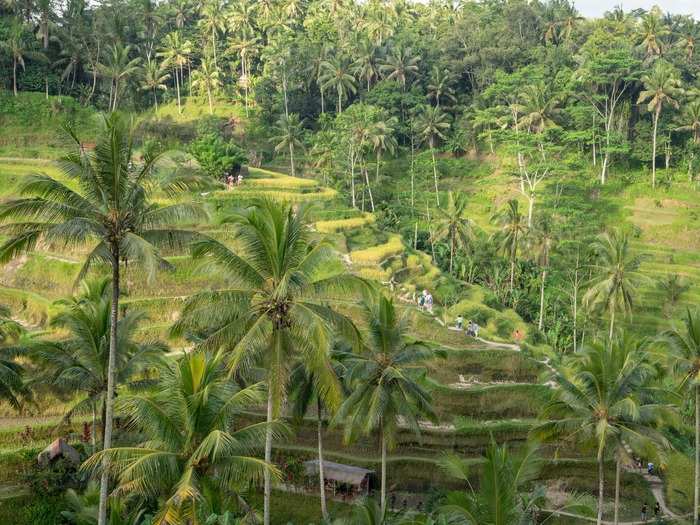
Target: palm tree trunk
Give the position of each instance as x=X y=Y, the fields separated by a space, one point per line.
x=155 y=99
x=541 y=320
x=437 y=194
x=376 y=178
x=617 y=491
x=697 y=456
x=211 y=107
x=268 y=459
x=93 y=433
x=14 y=75
x=323 y=109
x=340 y=101
x=383 y=487
x=512 y=274
x=530 y=209
x=109 y=402
x=177 y=89
x=352 y=177
x=601 y=494
x=291 y=157
x=653 y=147
x=321 y=476
x=369 y=190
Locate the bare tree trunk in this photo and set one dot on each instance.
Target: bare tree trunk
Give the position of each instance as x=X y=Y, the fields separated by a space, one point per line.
x=322 y=478
x=383 y=487
x=653 y=148
x=435 y=177
x=109 y=398
x=540 y=324
x=530 y=209
x=617 y=491
x=352 y=177
x=612 y=323
x=93 y=433
x=369 y=190
x=268 y=458
x=696 y=504
x=14 y=75
x=211 y=106
x=601 y=493
x=291 y=158
x=177 y=89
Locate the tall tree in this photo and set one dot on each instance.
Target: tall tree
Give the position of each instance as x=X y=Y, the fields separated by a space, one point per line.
x=542 y=238
x=17 y=47
x=118 y=67
x=511 y=234
x=107 y=206
x=661 y=88
x=174 y=52
x=275 y=313
x=440 y=86
x=12 y=386
x=604 y=398
x=153 y=78
x=207 y=80
x=453 y=225
x=290 y=134
x=431 y=125
x=195 y=453
x=400 y=65
x=613 y=285
x=386 y=382
x=337 y=76
x=685 y=362
x=381 y=136
x=212 y=22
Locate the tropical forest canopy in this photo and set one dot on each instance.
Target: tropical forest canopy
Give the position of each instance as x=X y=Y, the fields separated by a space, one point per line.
x=331 y=261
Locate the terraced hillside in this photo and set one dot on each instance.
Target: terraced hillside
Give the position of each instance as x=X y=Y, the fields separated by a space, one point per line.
x=483 y=391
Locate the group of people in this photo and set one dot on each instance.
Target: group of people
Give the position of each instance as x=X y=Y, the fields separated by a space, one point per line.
x=472 y=327
x=425 y=301
x=645 y=511
x=231 y=180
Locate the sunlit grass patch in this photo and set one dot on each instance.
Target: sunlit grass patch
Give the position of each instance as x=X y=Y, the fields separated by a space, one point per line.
x=377 y=254
x=332 y=226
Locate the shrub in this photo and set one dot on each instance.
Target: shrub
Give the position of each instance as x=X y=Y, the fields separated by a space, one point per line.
x=216 y=156
x=504 y=327
x=479 y=314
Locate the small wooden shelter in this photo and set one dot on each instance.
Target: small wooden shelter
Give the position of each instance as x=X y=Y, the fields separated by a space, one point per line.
x=353 y=480
x=58 y=449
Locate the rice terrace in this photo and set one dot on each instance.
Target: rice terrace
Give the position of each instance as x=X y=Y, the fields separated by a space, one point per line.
x=342 y=262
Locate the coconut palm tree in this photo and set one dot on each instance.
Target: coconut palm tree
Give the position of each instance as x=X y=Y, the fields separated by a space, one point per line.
x=290 y=134
x=386 y=382
x=174 y=54
x=542 y=239
x=306 y=393
x=366 y=65
x=685 y=363
x=538 y=107
x=604 y=398
x=661 y=88
x=207 y=79
x=431 y=125
x=106 y=206
x=451 y=223
x=274 y=314
x=613 y=285
x=12 y=387
x=400 y=65
x=194 y=452
x=246 y=46
x=690 y=120
x=212 y=22
x=153 y=79
x=18 y=50
x=118 y=67
x=440 y=86
x=513 y=229
x=78 y=361
x=337 y=75
x=652 y=31
x=381 y=136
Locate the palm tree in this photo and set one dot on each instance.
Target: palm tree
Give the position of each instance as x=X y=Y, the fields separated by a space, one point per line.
x=386 y=384
x=538 y=107
x=212 y=22
x=306 y=393
x=154 y=78
x=117 y=68
x=452 y=223
x=381 y=136
x=400 y=65
x=612 y=286
x=366 y=65
x=12 y=387
x=661 y=87
x=440 y=86
x=174 y=53
x=108 y=207
x=246 y=46
x=78 y=362
x=685 y=362
x=542 y=240
x=336 y=75
x=652 y=30
x=290 y=133
x=194 y=451
x=207 y=79
x=503 y=497
x=513 y=228
x=691 y=120
x=274 y=314
x=17 y=48
x=431 y=124
x=604 y=398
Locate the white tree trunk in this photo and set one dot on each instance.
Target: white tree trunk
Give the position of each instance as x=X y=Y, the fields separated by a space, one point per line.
x=601 y=493
x=383 y=487
x=322 y=478
x=540 y=324
x=268 y=459
x=696 y=505
x=617 y=491
x=435 y=177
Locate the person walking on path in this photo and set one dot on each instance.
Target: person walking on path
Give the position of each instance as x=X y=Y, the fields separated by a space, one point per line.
x=645 y=509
